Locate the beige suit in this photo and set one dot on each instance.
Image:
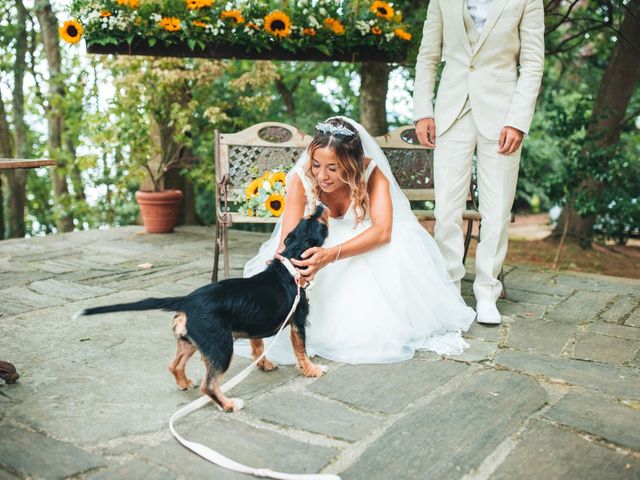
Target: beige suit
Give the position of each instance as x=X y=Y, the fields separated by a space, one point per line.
x=480 y=92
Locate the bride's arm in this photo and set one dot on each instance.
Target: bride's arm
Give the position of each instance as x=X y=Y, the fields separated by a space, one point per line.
x=295 y=203
x=381 y=212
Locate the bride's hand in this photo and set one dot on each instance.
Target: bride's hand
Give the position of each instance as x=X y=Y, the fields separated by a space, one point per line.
x=314 y=259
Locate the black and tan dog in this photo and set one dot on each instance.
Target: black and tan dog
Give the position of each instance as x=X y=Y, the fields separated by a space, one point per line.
x=211 y=317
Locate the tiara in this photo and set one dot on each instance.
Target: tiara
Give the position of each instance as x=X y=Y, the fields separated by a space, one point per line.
x=329 y=129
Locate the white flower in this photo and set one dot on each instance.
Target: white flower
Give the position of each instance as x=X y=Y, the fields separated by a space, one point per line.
x=389 y=36
x=313 y=21
x=322 y=11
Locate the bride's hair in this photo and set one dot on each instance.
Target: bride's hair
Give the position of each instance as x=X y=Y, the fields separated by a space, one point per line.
x=350 y=155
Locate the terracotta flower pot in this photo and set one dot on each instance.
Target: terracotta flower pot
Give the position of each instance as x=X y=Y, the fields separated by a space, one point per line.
x=159 y=210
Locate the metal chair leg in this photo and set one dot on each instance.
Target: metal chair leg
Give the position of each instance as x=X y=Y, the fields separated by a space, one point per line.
x=216 y=254
x=225 y=249
x=467 y=240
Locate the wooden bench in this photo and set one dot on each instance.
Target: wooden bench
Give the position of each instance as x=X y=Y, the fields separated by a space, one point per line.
x=13 y=163
x=241 y=157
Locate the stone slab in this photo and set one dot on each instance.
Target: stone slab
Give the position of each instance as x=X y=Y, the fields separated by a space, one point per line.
x=542 y=336
x=598 y=283
x=523 y=296
x=451 y=435
x=620 y=331
x=314 y=415
x=633 y=320
x=483 y=332
x=620 y=308
x=605 y=349
x=133 y=470
x=521 y=309
x=478 y=350
x=599 y=415
x=35 y=455
x=551 y=453
x=67 y=290
x=386 y=388
x=529 y=280
x=623 y=382
x=581 y=307
x=256 y=447
x=21 y=299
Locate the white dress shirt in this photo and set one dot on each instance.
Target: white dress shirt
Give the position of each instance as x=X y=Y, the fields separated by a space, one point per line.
x=479 y=11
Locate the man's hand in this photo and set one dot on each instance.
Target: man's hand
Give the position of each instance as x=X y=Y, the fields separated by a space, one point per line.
x=509 y=141
x=426 y=132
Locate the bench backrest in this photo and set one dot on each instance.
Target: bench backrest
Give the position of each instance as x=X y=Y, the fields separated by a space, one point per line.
x=242 y=156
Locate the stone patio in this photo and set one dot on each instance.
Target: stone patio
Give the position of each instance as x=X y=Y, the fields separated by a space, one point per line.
x=554 y=392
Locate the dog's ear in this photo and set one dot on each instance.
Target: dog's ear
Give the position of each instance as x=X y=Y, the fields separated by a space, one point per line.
x=319 y=211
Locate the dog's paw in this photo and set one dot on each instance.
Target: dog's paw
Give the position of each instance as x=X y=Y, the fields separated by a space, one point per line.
x=311 y=370
x=231 y=405
x=238 y=404
x=266 y=366
x=188 y=385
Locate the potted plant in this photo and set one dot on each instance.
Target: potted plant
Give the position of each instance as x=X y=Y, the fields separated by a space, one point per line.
x=154 y=107
x=159 y=206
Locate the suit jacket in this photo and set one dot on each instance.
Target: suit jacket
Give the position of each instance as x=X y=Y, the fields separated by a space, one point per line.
x=499 y=93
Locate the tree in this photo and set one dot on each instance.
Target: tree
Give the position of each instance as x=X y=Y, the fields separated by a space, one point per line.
x=609 y=113
x=55 y=113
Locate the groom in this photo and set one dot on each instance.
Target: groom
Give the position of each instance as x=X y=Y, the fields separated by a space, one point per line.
x=485 y=104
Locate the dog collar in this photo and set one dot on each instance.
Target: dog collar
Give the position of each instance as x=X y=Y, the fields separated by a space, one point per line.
x=297 y=276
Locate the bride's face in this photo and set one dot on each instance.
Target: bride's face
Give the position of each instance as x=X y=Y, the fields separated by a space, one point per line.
x=326 y=170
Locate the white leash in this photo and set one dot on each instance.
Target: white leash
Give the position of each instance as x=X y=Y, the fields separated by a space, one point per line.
x=216 y=457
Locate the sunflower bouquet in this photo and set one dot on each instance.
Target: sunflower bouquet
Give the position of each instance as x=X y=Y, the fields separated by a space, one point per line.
x=265 y=196
x=327 y=26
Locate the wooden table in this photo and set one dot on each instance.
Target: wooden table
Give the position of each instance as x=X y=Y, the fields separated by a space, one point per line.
x=7 y=371
x=12 y=163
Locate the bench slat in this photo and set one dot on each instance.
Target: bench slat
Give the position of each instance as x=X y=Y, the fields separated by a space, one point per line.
x=11 y=163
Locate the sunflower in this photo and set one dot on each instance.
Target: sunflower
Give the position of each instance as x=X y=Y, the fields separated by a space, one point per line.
x=105 y=13
x=402 y=34
x=170 y=24
x=278 y=177
x=278 y=24
x=334 y=25
x=309 y=31
x=275 y=204
x=129 y=3
x=198 y=23
x=71 y=31
x=252 y=188
x=234 y=15
x=382 y=9
x=197 y=4
x=376 y=31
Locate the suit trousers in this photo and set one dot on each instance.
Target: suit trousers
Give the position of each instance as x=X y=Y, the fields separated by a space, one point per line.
x=497 y=179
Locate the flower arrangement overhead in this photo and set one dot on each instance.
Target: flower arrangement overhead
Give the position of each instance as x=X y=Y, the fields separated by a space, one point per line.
x=347 y=30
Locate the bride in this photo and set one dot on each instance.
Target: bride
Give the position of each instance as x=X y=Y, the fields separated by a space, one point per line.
x=380 y=287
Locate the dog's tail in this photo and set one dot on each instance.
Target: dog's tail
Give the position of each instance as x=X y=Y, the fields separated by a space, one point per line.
x=171 y=304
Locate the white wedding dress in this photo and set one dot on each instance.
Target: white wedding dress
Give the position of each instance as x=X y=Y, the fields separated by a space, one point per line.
x=380 y=306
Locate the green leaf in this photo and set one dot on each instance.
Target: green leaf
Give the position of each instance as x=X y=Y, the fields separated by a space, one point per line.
x=192 y=43
x=152 y=41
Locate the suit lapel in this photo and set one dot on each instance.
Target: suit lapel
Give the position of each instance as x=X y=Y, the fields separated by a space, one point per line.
x=456 y=7
x=496 y=9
